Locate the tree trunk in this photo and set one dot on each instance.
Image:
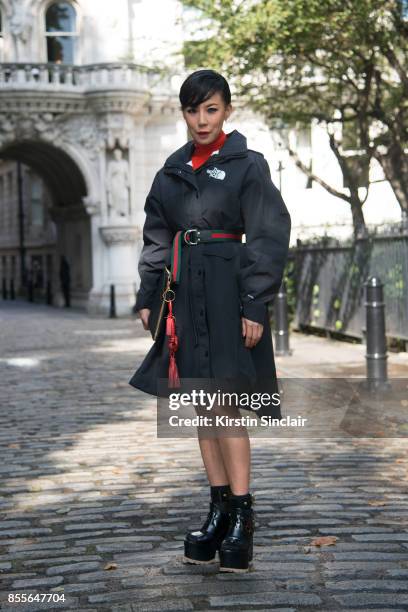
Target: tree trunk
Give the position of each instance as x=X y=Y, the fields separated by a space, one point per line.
x=351 y=180
x=395 y=167
x=359 y=226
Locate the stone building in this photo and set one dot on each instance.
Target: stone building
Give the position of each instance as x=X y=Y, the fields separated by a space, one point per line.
x=84 y=126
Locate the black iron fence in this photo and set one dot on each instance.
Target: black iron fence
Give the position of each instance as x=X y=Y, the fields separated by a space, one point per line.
x=329 y=277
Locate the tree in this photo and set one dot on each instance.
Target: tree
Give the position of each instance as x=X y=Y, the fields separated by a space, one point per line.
x=338 y=63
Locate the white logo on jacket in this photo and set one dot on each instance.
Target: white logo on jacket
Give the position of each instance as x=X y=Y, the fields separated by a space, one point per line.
x=215 y=173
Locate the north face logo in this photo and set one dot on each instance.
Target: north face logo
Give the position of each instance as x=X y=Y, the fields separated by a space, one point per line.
x=215 y=173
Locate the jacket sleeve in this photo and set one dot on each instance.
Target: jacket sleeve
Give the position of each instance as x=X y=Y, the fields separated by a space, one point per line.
x=267 y=225
x=156 y=251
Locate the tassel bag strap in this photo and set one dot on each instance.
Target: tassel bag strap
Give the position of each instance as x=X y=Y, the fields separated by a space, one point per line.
x=190 y=237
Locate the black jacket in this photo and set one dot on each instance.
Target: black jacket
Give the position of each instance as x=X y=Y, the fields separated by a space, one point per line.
x=219 y=282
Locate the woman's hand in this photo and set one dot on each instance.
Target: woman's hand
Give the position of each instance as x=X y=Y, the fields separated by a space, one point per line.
x=251 y=331
x=144 y=314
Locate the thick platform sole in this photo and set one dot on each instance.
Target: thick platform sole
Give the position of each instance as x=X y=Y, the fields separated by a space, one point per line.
x=235 y=560
x=199 y=552
x=196 y=562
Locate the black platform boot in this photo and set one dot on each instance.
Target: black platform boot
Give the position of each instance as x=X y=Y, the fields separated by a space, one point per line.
x=201 y=546
x=237 y=547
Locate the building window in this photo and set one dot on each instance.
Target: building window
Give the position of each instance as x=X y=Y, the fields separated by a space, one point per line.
x=304 y=137
x=1 y=35
x=37 y=201
x=60 y=31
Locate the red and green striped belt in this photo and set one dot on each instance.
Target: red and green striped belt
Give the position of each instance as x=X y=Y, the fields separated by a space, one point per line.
x=191 y=237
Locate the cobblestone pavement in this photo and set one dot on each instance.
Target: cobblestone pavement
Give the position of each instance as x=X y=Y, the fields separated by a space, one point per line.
x=94 y=507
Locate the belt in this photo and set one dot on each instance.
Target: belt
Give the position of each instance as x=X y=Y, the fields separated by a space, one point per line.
x=184 y=237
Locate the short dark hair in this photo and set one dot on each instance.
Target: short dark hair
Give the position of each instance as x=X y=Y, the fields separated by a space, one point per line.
x=201 y=85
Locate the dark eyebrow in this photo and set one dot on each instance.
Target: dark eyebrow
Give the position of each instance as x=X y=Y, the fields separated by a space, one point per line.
x=190 y=106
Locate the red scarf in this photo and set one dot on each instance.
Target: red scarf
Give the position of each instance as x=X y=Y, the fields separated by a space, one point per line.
x=203 y=151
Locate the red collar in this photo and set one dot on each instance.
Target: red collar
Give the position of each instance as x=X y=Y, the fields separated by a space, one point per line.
x=203 y=151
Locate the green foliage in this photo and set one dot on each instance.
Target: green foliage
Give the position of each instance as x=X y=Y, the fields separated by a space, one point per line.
x=275 y=49
x=306 y=60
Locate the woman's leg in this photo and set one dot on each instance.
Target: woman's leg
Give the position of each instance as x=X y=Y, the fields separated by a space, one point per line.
x=200 y=546
x=213 y=461
x=236 y=456
x=236 y=550
x=227 y=460
x=226 y=453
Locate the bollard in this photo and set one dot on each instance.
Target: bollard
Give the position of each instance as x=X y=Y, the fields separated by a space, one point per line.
x=49 y=293
x=67 y=295
x=112 y=309
x=30 y=291
x=12 y=291
x=376 y=343
x=281 y=322
x=4 y=289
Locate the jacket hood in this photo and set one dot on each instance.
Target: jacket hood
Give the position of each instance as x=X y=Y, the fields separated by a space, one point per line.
x=235 y=144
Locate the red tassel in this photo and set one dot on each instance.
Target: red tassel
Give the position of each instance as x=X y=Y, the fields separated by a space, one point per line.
x=170 y=326
x=174 y=379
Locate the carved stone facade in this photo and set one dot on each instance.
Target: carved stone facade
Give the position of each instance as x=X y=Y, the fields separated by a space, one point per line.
x=95 y=134
x=75 y=87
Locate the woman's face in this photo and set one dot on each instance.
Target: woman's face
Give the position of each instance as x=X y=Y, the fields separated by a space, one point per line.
x=205 y=121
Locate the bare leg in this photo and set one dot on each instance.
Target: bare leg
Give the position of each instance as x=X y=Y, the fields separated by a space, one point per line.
x=213 y=461
x=227 y=460
x=236 y=454
x=226 y=453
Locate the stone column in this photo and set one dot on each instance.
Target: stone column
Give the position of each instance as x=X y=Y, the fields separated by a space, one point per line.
x=121 y=241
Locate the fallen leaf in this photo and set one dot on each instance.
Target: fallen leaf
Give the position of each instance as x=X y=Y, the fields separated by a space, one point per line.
x=111 y=566
x=324 y=541
x=376 y=502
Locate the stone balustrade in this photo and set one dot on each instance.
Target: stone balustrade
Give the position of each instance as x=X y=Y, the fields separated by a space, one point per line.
x=89 y=77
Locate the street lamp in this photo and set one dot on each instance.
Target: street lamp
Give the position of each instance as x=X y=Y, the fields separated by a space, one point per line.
x=280 y=139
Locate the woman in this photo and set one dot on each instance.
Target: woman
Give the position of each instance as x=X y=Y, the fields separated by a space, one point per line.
x=215 y=189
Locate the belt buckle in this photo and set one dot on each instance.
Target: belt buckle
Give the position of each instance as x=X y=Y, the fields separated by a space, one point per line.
x=187 y=238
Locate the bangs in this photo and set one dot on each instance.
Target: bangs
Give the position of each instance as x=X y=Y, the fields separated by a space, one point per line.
x=200 y=86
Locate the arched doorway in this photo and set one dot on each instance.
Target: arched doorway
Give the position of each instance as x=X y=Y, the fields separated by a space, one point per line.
x=42 y=191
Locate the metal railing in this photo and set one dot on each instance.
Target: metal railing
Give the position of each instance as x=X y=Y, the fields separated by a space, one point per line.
x=330 y=279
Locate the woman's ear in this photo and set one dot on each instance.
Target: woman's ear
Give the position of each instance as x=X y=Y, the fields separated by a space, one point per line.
x=228 y=111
